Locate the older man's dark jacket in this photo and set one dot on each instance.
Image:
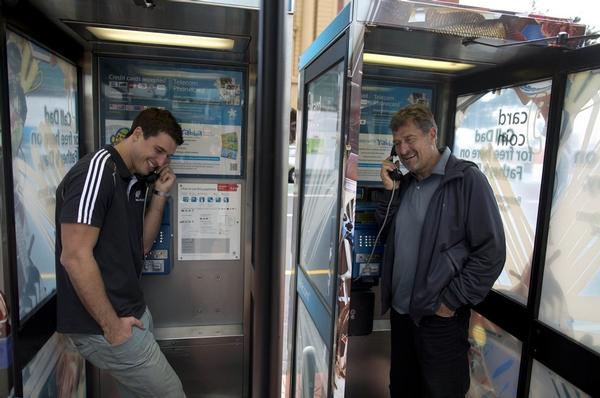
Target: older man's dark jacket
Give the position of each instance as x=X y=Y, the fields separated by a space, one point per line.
x=462 y=249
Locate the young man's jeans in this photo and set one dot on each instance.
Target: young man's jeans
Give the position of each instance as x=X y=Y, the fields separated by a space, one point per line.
x=430 y=360
x=138 y=365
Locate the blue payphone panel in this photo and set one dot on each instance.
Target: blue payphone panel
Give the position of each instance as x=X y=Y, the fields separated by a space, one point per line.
x=158 y=261
x=367 y=257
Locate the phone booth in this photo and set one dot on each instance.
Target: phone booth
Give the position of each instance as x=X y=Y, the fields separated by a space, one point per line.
x=67 y=90
x=501 y=87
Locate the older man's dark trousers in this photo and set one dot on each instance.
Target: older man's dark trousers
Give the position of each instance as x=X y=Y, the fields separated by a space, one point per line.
x=430 y=360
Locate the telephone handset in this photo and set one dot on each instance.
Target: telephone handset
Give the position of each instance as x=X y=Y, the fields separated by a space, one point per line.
x=395 y=174
x=151 y=178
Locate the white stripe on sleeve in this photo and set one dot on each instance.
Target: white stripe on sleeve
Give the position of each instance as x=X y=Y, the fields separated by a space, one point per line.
x=91 y=187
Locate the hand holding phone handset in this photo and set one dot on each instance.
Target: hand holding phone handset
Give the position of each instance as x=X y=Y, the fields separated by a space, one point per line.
x=151 y=178
x=395 y=174
x=390 y=173
x=162 y=179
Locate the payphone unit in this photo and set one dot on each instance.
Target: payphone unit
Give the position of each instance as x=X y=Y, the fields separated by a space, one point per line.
x=366 y=266
x=158 y=260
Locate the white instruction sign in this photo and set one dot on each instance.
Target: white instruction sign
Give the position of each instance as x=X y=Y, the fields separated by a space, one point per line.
x=208 y=222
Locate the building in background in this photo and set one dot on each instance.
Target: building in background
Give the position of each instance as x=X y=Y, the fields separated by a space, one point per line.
x=310 y=18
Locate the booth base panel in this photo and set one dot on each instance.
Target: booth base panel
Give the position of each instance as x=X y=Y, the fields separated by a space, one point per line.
x=368 y=366
x=207 y=367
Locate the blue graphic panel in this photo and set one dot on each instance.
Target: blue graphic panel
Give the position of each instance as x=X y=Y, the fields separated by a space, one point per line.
x=207 y=102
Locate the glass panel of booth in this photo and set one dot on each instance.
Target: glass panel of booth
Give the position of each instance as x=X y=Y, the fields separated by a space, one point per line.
x=319 y=227
x=207 y=101
x=494 y=357
x=503 y=131
x=571 y=282
x=546 y=383
x=5 y=337
x=312 y=357
x=44 y=139
x=57 y=370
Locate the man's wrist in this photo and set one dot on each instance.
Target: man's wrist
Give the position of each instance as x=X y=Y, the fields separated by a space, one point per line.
x=161 y=193
x=108 y=324
x=393 y=186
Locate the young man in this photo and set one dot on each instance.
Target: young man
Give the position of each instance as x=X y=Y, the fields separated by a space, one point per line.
x=107 y=216
x=444 y=249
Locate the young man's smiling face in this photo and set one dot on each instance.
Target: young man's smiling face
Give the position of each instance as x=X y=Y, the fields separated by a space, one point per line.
x=152 y=153
x=417 y=149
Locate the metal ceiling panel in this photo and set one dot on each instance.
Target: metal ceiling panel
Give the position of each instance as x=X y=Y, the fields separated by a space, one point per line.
x=167 y=16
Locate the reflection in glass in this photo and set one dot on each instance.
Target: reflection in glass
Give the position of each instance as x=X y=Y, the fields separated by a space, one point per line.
x=311 y=358
x=44 y=138
x=474 y=18
x=571 y=285
x=57 y=370
x=495 y=358
x=547 y=384
x=319 y=229
x=5 y=356
x=504 y=133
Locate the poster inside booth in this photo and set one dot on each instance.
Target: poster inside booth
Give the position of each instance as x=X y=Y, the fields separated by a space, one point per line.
x=208 y=221
x=379 y=101
x=207 y=102
x=44 y=141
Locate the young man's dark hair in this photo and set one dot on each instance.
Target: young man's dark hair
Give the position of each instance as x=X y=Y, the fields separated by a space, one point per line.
x=154 y=121
x=418 y=113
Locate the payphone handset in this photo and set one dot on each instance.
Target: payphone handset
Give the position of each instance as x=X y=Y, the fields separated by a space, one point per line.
x=154 y=175
x=396 y=174
x=151 y=178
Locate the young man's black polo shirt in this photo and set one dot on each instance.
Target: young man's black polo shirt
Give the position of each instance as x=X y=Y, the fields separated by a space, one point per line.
x=100 y=191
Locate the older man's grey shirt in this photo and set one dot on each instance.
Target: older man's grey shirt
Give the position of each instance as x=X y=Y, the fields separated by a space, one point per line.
x=409 y=223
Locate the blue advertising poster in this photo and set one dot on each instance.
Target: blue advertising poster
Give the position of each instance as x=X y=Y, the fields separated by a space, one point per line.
x=379 y=101
x=44 y=140
x=207 y=102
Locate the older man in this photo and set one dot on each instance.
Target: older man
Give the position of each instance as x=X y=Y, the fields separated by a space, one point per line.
x=444 y=249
